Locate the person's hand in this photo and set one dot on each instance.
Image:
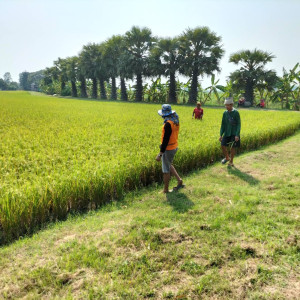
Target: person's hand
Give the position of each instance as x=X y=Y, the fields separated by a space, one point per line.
x=158 y=157
x=236 y=138
x=220 y=138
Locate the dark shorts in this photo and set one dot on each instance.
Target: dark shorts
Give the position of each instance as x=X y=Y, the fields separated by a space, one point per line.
x=228 y=140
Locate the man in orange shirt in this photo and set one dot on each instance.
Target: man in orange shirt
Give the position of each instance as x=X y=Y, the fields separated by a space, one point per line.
x=198 y=112
x=169 y=146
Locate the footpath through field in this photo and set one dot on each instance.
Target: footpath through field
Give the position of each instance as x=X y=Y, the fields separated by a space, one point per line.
x=232 y=233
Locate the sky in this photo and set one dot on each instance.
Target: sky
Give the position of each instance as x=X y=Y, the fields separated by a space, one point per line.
x=34 y=33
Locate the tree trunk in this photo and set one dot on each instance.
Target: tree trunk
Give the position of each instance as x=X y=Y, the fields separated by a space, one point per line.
x=249 y=91
x=193 y=93
x=102 y=89
x=94 y=88
x=113 y=95
x=74 y=89
x=83 y=93
x=124 y=95
x=62 y=86
x=139 y=88
x=172 y=89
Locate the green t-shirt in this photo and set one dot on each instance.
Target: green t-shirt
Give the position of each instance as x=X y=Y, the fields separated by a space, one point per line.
x=231 y=123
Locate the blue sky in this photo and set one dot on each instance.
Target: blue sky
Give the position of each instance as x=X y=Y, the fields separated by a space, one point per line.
x=34 y=33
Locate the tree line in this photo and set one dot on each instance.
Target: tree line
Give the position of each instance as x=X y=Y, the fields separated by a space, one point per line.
x=138 y=55
x=6 y=83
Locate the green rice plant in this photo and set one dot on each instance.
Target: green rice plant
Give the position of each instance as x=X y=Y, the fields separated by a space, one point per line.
x=60 y=155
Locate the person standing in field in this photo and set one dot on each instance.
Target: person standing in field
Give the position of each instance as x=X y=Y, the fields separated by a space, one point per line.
x=169 y=146
x=230 y=131
x=198 y=112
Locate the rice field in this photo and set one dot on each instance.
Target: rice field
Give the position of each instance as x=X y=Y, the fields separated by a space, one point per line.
x=59 y=155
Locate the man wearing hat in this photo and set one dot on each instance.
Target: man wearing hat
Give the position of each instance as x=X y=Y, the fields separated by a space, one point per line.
x=169 y=146
x=230 y=131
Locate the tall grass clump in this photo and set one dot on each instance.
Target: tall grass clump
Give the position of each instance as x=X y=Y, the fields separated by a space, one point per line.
x=61 y=155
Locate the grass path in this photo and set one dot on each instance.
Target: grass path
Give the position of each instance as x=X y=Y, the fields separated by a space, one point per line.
x=232 y=233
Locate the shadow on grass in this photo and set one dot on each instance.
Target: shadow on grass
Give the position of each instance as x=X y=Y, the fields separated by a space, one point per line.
x=179 y=201
x=244 y=176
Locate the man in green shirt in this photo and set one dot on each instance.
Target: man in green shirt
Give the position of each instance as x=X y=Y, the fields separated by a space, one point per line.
x=230 y=131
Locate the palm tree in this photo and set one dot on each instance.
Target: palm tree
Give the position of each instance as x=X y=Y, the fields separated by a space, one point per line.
x=112 y=55
x=200 y=52
x=251 y=70
x=102 y=69
x=71 y=65
x=165 y=61
x=50 y=76
x=89 y=61
x=139 y=42
x=81 y=77
x=125 y=70
x=61 y=67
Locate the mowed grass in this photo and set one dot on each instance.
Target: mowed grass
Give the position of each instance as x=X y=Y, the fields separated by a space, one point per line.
x=59 y=155
x=232 y=233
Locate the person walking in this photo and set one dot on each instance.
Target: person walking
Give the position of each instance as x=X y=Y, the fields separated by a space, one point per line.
x=169 y=146
x=230 y=131
x=198 y=112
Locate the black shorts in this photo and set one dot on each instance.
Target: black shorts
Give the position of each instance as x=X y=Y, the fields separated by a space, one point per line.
x=230 y=140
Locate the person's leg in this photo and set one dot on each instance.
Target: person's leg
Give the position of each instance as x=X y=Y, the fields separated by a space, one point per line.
x=166 y=178
x=175 y=174
x=167 y=159
x=224 y=149
x=232 y=153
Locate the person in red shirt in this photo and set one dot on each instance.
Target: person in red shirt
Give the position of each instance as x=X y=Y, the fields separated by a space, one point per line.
x=261 y=103
x=241 y=101
x=198 y=112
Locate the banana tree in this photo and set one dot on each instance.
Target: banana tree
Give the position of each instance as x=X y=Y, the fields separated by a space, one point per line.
x=285 y=88
x=214 y=89
x=182 y=90
x=157 y=91
x=266 y=86
x=295 y=75
x=227 y=90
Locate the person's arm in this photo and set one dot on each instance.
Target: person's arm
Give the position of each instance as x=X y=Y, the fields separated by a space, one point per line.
x=238 y=126
x=193 y=113
x=166 y=138
x=222 y=130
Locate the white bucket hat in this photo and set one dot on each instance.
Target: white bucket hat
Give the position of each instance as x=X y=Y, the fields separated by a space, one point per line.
x=228 y=100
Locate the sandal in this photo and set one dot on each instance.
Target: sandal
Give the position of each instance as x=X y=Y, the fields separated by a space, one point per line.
x=178 y=187
x=224 y=161
x=230 y=165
